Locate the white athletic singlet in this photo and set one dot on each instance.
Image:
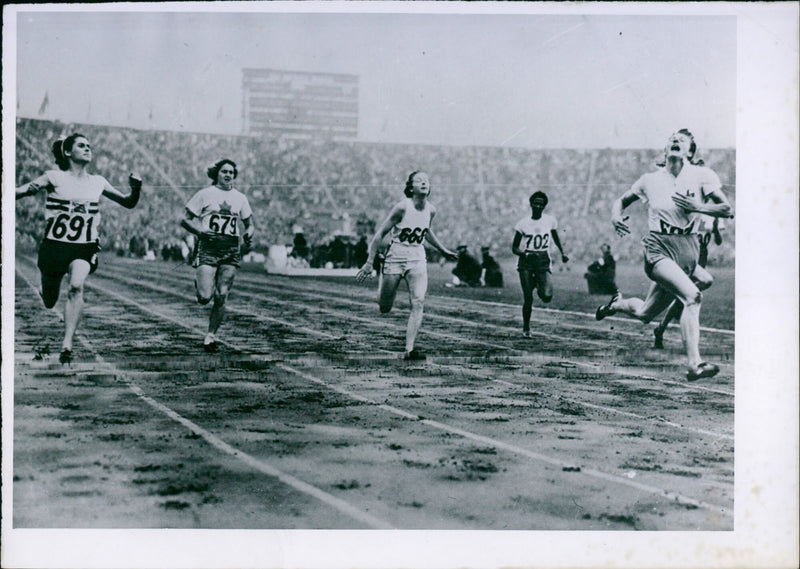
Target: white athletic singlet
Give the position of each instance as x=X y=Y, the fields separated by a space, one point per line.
x=220 y=210
x=71 y=209
x=657 y=188
x=536 y=232
x=408 y=236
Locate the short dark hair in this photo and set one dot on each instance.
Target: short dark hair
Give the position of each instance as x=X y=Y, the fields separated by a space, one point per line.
x=538 y=194
x=213 y=170
x=62 y=144
x=409 y=188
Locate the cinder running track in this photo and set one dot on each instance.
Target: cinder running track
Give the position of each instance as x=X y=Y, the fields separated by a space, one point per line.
x=308 y=419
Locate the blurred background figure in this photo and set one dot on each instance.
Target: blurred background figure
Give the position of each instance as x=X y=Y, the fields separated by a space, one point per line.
x=601 y=275
x=467 y=271
x=491 y=273
x=300 y=248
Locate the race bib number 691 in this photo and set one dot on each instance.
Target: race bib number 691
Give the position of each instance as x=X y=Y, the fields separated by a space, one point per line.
x=71 y=228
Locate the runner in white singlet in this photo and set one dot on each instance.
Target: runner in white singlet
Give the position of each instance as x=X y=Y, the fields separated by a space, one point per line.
x=72 y=214
x=532 y=237
x=213 y=215
x=676 y=196
x=410 y=225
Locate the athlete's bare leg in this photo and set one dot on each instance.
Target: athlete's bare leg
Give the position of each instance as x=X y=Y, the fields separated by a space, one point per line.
x=703 y=279
x=224 y=281
x=670 y=280
x=205 y=280
x=417 y=287
x=78 y=271
x=387 y=290
x=528 y=282
x=545 y=287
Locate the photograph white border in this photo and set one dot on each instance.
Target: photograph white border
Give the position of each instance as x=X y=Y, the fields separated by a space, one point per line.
x=766 y=447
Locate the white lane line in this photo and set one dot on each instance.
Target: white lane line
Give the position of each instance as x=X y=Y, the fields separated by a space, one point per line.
x=679 y=498
x=259 y=465
x=582 y=403
x=590 y=316
x=598 y=368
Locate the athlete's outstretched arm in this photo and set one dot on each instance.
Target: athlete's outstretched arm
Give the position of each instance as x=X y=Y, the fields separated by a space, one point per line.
x=32 y=188
x=557 y=241
x=433 y=240
x=249 y=231
x=618 y=207
x=131 y=199
x=394 y=217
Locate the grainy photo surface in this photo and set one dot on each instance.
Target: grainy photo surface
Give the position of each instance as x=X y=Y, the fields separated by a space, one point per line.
x=304 y=267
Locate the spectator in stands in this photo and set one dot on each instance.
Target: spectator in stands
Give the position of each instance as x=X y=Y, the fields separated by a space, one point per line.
x=491 y=273
x=299 y=243
x=71 y=241
x=410 y=224
x=531 y=243
x=213 y=215
x=675 y=196
x=361 y=251
x=467 y=271
x=601 y=274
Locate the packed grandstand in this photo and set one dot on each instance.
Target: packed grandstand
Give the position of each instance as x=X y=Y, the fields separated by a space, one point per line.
x=480 y=192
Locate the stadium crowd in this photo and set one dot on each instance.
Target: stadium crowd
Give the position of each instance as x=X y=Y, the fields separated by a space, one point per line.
x=326 y=186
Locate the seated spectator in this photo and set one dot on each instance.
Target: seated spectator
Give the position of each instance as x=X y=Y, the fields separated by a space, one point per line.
x=601 y=274
x=360 y=252
x=491 y=273
x=467 y=271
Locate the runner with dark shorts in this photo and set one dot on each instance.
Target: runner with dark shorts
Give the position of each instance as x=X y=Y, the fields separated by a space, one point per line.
x=72 y=213
x=532 y=236
x=213 y=215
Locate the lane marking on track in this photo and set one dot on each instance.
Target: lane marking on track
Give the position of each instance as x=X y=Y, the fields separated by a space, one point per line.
x=590 y=316
x=599 y=368
x=611 y=410
x=259 y=465
x=673 y=496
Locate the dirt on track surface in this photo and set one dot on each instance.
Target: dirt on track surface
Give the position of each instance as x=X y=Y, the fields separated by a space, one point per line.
x=309 y=419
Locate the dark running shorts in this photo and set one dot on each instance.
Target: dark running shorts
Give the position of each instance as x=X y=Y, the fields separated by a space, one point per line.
x=683 y=249
x=537 y=262
x=218 y=251
x=55 y=256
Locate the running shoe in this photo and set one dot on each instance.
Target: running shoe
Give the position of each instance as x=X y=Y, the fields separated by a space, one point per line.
x=606 y=309
x=65 y=357
x=526 y=333
x=211 y=347
x=704 y=369
x=414 y=356
x=658 y=344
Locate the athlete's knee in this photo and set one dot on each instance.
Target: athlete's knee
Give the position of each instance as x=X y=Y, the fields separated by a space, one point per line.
x=417 y=303
x=695 y=299
x=545 y=297
x=75 y=290
x=203 y=299
x=705 y=282
x=384 y=308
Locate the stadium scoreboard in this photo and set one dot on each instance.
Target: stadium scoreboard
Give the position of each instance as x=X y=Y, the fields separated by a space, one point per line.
x=298 y=104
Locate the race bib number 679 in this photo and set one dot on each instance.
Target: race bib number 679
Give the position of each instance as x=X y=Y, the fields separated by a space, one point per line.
x=223 y=224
